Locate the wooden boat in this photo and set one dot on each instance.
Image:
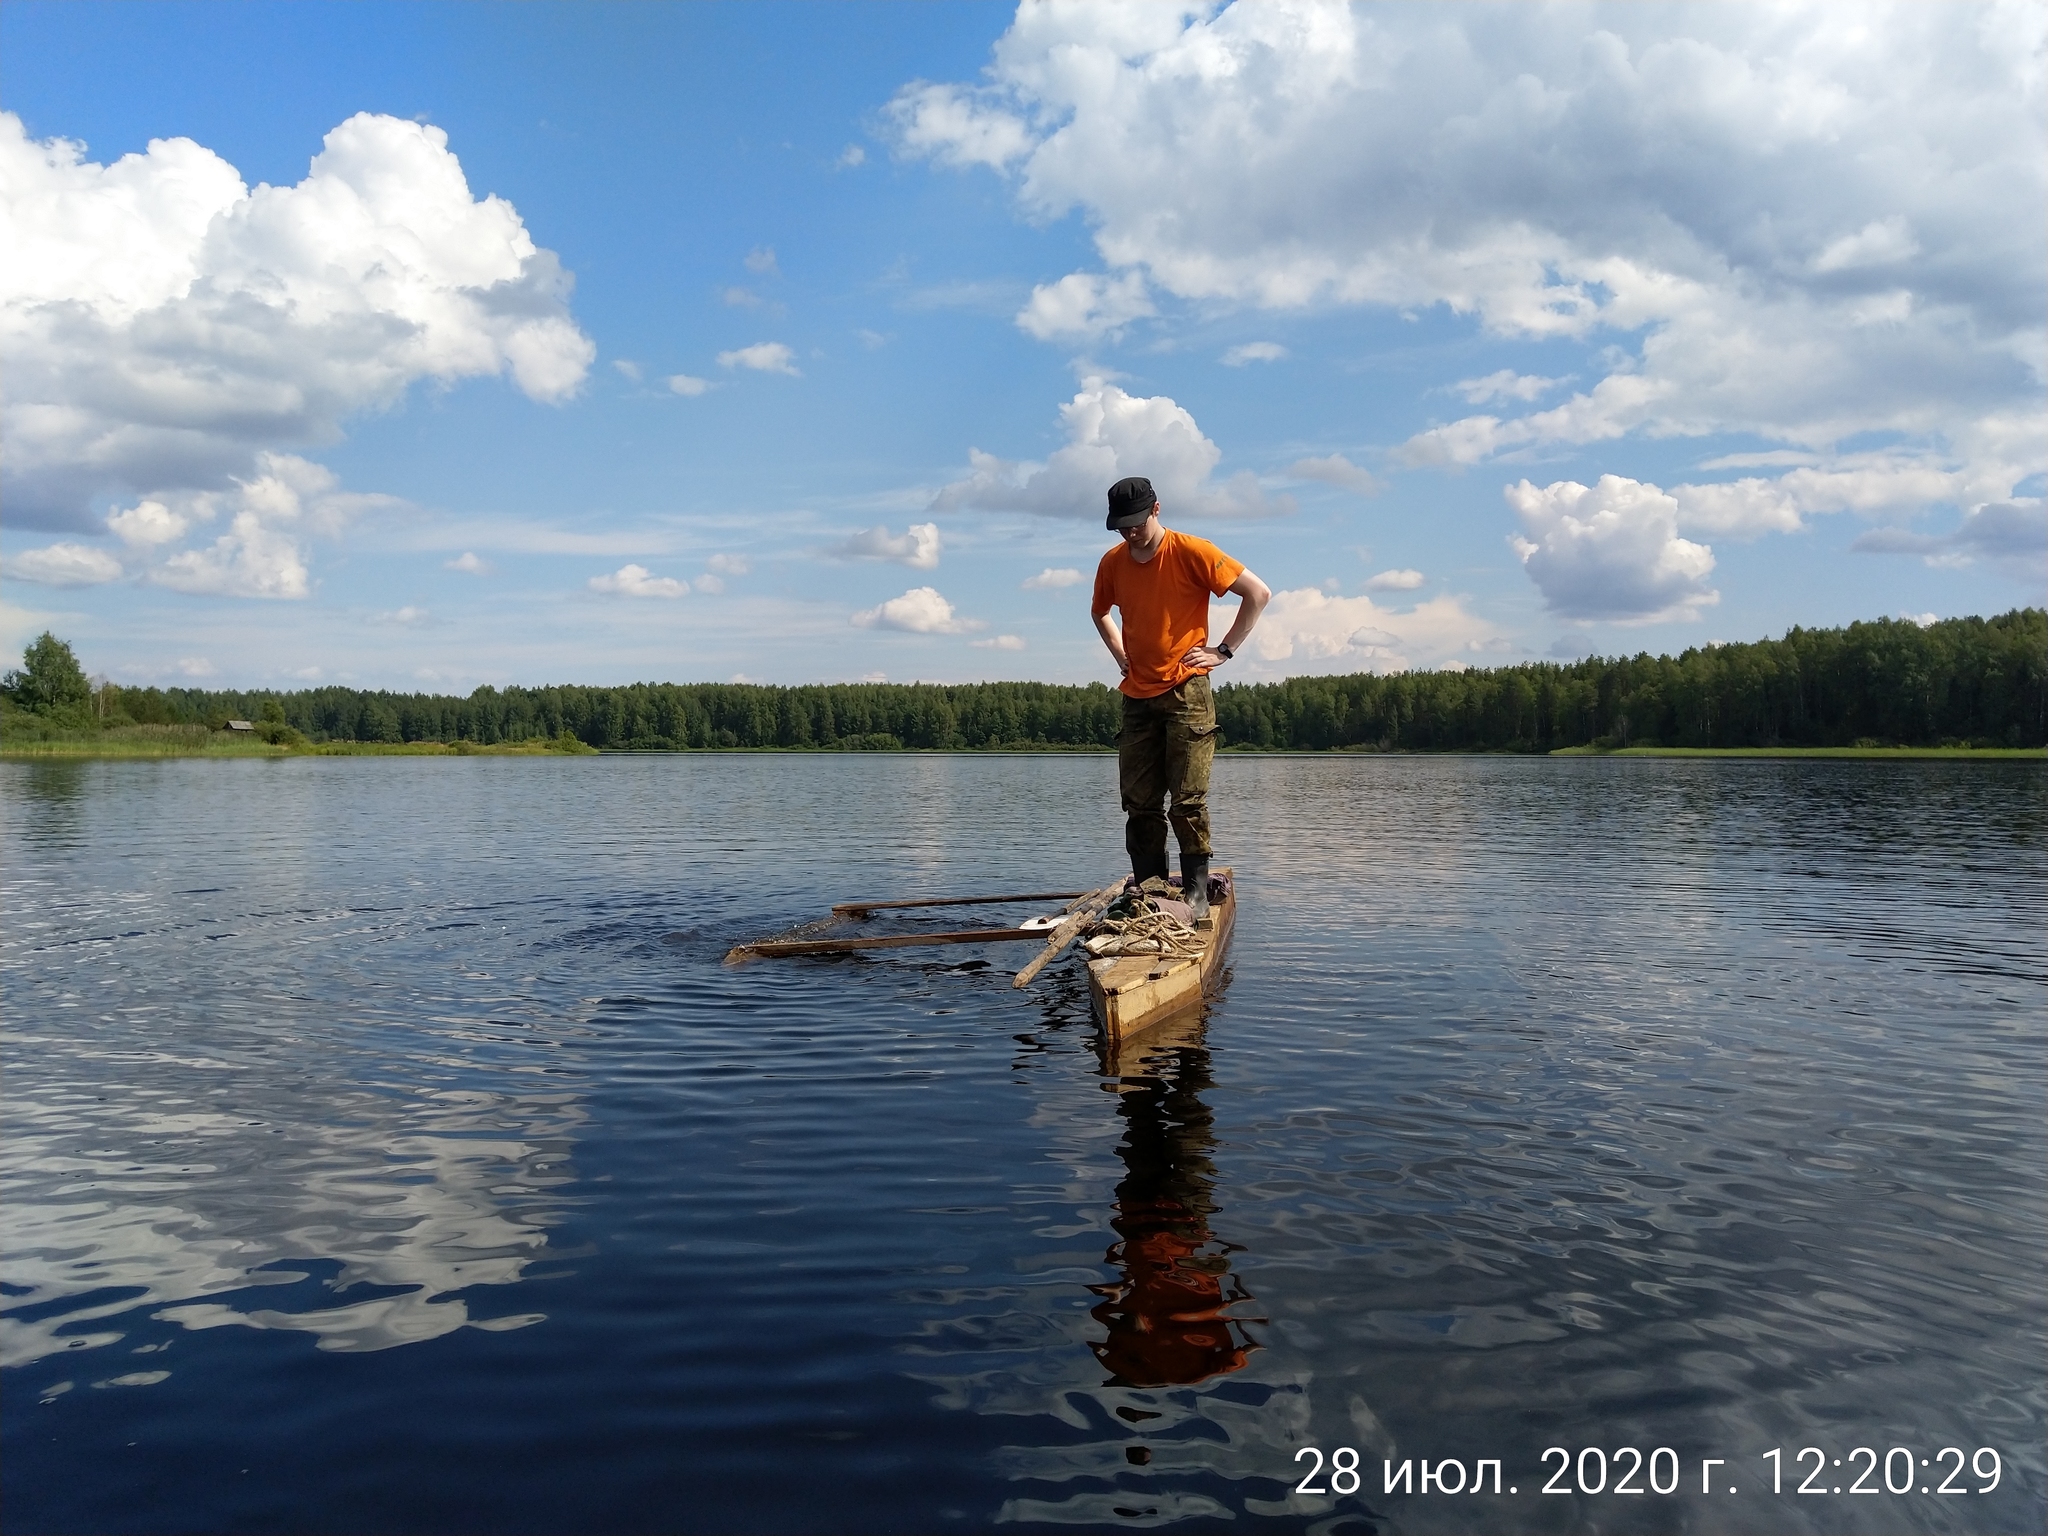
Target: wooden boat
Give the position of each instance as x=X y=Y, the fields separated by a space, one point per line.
x=1133 y=992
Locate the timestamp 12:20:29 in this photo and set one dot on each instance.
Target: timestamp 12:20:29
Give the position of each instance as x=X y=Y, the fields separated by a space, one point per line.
x=1892 y=1459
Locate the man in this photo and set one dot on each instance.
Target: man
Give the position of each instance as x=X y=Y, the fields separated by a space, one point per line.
x=1161 y=581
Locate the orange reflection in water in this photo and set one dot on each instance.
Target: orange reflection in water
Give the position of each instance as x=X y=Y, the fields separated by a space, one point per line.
x=1168 y=1316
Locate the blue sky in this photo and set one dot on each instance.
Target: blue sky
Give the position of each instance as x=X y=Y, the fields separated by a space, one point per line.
x=800 y=342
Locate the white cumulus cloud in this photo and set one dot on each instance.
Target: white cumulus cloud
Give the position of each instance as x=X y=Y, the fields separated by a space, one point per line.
x=271 y=516
x=916 y=546
x=1738 y=508
x=638 y=581
x=956 y=127
x=1506 y=384
x=1254 y=352
x=164 y=325
x=148 y=524
x=762 y=357
x=1310 y=630
x=1051 y=579
x=1888 y=485
x=469 y=563
x=2011 y=534
x=687 y=384
x=1616 y=406
x=1339 y=471
x=64 y=565
x=730 y=565
x=1793 y=227
x=1880 y=243
x=1611 y=551
x=1394 y=581
x=920 y=611
x=1084 y=305
x=999 y=643
x=1111 y=434
x=252 y=559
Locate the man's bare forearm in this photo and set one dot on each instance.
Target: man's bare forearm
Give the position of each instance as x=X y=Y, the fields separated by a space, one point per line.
x=1253 y=596
x=1113 y=637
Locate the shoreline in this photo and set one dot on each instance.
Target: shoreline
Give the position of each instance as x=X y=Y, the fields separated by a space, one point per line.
x=133 y=751
x=1877 y=754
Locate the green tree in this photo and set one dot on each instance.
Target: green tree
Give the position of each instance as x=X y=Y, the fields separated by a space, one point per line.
x=273 y=728
x=51 y=681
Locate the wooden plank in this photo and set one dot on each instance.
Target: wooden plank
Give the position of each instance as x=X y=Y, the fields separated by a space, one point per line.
x=952 y=901
x=1151 y=994
x=1085 y=911
x=773 y=948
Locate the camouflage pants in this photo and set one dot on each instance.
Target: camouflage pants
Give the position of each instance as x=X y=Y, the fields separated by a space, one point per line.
x=1167 y=745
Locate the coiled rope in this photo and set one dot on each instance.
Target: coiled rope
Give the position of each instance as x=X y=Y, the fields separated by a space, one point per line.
x=1148 y=931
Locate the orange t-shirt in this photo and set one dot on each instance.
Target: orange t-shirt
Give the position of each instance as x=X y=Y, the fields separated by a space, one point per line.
x=1165 y=605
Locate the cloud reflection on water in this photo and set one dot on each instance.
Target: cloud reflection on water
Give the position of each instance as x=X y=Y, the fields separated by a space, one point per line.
x=192 y=1217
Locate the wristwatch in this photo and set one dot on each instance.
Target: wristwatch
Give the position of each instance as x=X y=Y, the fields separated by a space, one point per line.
x=1224 y=651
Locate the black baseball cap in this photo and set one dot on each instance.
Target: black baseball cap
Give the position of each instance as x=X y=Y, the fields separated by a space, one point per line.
x=1130 y=502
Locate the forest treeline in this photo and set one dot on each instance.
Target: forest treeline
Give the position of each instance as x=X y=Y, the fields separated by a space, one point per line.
x=1970 y=681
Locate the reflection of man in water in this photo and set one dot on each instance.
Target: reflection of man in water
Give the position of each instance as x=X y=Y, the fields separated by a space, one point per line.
x=1167 y=1319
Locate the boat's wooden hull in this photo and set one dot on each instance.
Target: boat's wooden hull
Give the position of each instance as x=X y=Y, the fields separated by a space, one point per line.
x=1131 y=992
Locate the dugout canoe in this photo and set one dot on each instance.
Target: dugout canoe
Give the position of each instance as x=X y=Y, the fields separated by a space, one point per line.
x=1133 y=992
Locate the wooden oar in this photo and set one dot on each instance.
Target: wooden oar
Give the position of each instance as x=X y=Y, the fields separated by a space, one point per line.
x=953 y=901
x=770 y=948
x=1085 y=911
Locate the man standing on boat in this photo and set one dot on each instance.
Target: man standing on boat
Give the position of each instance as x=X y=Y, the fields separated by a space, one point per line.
x=1161 y=581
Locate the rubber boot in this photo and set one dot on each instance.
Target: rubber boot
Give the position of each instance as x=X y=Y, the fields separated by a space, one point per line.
x=1194 y=886
x=1147 y=861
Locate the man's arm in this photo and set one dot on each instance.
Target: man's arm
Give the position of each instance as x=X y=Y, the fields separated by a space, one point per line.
x=1255 y=594
x=1113 y=637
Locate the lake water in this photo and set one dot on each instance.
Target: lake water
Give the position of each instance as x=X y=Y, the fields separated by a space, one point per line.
x=387 y=1150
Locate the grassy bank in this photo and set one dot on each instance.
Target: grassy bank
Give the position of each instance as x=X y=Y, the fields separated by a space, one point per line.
x=2036 y=754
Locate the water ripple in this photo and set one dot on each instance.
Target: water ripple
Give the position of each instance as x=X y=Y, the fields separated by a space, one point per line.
x=391 y=1129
